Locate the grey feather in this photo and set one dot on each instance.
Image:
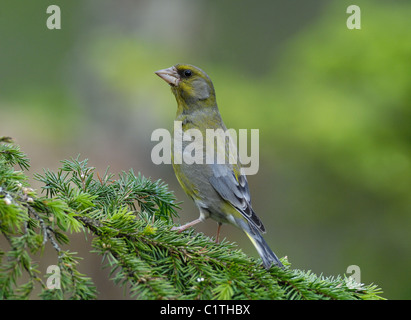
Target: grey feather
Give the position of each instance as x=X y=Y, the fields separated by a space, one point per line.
x=235 y=192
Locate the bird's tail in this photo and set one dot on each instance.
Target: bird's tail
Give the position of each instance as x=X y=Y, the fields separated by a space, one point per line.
x=266 y=254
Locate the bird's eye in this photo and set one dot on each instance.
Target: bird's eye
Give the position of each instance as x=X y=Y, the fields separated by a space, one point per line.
x=187 y=73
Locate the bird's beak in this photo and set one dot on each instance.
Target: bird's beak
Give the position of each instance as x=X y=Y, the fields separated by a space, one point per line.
x=169 y=75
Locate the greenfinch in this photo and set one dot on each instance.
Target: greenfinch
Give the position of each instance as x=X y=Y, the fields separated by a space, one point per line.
x=219 y=190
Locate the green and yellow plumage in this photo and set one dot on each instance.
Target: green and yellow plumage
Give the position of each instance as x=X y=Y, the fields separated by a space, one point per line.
x=220 y=191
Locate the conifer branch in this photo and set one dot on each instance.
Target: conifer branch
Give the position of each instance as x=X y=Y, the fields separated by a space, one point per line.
x=131 y=219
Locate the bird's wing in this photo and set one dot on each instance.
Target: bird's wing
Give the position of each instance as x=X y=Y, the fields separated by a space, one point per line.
x=234 y=189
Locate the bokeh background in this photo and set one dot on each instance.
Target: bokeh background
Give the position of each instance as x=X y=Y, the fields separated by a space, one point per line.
x=333 y=107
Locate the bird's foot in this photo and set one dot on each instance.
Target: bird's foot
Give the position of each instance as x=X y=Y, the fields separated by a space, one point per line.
x=186 y=226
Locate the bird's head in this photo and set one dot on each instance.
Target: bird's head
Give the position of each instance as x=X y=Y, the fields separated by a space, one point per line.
x=190 y=84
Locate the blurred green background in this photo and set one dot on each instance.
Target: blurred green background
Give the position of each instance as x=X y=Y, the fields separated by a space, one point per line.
x=333 y=107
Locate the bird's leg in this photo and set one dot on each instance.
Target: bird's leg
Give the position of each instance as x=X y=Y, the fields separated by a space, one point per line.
x=186 y=226
x=217 y=239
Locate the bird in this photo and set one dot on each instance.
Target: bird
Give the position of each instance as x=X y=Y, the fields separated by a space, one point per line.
x=219 y=190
